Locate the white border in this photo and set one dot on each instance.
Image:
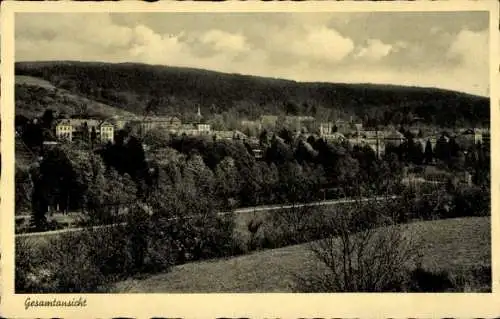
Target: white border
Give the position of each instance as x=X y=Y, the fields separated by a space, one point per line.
x=241 y=305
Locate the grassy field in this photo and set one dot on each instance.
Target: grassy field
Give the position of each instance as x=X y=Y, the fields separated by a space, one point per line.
x=451 y=244
x=60 y=100
x=34 y=81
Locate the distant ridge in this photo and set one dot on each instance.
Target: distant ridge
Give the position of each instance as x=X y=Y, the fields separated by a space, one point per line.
x=129 y=86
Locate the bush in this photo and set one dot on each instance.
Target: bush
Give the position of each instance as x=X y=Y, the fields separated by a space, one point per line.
x=471 y=201
x=59 y=266
x=73 y=263
x=362 y=257
x=292 y=226
x=197 y=238
x=191 y=227
x=476 y=278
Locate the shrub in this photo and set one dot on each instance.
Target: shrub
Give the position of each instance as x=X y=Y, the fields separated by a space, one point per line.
x=471 y=201
x=362 y=258
x=475 y=278
x=422 y=280
x=27 y=260
x=191 y=227
x=61 y=265
x=292 y=226
x=73 y=263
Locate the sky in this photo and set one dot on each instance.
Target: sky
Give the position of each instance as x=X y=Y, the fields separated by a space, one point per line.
x=448 y=50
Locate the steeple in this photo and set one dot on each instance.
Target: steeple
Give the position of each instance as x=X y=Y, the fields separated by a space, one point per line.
x=199 y=117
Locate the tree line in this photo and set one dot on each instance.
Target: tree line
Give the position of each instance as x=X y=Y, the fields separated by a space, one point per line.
x=130 y=86
x=292 y=170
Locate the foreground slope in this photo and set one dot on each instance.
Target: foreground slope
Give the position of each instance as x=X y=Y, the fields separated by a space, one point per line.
x=450 y=244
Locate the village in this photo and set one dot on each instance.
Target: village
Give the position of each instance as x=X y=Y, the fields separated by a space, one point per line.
x=302 y=127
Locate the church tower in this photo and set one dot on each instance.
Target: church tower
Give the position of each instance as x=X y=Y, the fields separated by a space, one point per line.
x=199 y=117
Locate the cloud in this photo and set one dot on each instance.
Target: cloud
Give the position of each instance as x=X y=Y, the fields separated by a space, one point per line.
x=150 y=47
x=322 y=43
x=225 y=41
x=471 y=48
x=375 y=50
x=471 y=51
x=297 y=47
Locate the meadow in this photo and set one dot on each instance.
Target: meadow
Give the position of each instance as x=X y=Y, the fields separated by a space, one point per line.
x=444 y=248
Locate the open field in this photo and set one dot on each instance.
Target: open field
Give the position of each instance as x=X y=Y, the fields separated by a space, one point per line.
x=451 y=244
x=33 y=81
x=57 y=99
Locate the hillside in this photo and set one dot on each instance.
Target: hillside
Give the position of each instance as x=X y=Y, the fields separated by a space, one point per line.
x=272 y=270
x=33 y=95
x=130 y=86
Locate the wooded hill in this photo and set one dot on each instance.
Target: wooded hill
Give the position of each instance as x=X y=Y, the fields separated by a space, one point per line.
x=130 y=86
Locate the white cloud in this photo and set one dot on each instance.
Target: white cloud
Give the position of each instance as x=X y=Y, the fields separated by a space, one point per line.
x=150 y=47
x=320 y=43
x=471 y=47
x=225 y=41
x=375 y=50
x=305 y=51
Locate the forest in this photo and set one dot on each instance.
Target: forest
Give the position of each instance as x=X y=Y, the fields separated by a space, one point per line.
x=129 y=86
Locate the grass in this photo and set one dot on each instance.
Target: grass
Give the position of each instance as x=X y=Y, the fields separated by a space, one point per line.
x=61 y=100
x=454 y=245
x=34 y=81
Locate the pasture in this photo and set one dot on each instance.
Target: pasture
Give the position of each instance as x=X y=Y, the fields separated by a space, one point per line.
x=455 y=245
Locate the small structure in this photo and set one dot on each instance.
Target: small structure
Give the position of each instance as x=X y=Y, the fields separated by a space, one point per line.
x=334 y=137
x=64 y=130
x=203 y=128
x=469 y=138
x=326 y=128
x=394 y=138
x=268 y=121
x=107 y=132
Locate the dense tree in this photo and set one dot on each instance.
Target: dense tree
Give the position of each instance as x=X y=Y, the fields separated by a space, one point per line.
x=131 y=87
x=291 y=108
x=228 y=181
x=24 y=189
x=279 y=152
x=442 y=151
x=428 y=153
x=48 y=118
x=286 y=135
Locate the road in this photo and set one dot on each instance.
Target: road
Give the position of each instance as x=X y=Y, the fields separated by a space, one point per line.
x=236 y=211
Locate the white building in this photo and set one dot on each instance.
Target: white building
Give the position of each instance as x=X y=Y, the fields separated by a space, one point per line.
x=107 y=132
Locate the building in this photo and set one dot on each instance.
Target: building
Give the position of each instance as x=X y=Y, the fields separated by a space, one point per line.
x=229 y=135
x=358 y=127
x=158 y=122
x=251 y=125
x=268 y=121
x=72 y=129
x=299 y=123
x=469 y=137
x=342 y=127
x=335 y=137
x=325 y=128
x=64 y=130
x=203 y=128
x=107 y=132
x=393 y=138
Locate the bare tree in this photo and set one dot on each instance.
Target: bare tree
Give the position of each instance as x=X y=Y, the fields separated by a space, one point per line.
x=364 y=251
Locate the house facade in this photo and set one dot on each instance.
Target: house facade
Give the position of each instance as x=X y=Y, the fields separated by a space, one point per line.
x=157 y=122
x=64 y=130
x=268 y=121
x=107 y=132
